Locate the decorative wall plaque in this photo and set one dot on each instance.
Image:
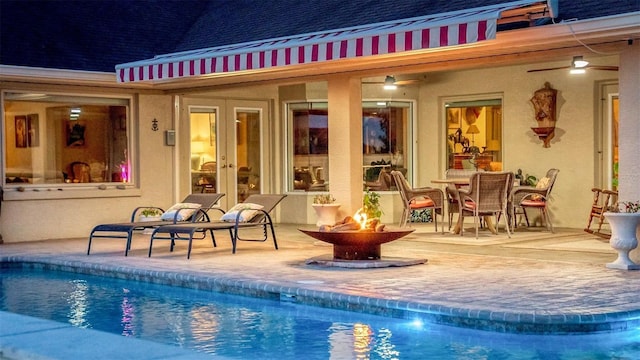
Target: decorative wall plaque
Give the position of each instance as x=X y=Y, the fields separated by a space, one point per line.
x=544 y=103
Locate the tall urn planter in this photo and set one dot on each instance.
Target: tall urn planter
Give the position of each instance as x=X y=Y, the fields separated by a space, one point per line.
x=623 y=238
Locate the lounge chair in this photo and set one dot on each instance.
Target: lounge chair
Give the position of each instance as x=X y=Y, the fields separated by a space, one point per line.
x=234 y=224
x=125 y=230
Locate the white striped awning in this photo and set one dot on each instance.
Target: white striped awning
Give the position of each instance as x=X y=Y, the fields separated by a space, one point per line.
x=426 y=32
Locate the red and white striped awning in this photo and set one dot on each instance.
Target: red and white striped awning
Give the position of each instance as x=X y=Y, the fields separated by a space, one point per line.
x=426 y=32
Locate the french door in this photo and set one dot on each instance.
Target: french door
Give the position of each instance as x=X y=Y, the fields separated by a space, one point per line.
x=224 y=143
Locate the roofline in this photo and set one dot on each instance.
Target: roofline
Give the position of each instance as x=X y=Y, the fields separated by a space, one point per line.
x=58 y=76
x=622 y=27
x=310 y=38
x=609 y=34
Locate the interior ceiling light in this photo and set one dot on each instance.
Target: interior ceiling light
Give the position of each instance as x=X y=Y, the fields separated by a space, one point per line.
x=578 y=65
x=390 y=83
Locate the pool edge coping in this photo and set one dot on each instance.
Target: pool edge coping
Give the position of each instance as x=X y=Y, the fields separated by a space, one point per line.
x=471 y=318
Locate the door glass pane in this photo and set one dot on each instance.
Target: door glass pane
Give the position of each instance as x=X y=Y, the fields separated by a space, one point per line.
x=203 y=150
x=474 y=135
x=310 y=146
x=385 y=142
x=248 y=152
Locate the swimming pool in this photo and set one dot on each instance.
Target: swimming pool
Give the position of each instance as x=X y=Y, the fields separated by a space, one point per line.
x=241 y=327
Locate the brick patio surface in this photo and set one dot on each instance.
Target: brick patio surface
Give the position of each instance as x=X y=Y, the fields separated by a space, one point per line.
x=533 y=282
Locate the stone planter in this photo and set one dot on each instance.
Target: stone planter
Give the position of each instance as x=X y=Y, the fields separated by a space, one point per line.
x=327 y=213
x=623 y=238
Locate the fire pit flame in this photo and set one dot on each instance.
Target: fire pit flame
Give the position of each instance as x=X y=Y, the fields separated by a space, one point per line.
x=361 y=218
x=358 y=221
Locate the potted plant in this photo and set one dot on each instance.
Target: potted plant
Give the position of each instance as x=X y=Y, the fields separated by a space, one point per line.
x=326 y=209
x=150 y=214
x=371 y=205
x=624 y=220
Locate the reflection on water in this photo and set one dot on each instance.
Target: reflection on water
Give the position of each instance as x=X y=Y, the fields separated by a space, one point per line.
x=78 y=303
x=128 y=317
x=242 y=328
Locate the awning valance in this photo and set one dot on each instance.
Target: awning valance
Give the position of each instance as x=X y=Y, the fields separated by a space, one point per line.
x=426 y=32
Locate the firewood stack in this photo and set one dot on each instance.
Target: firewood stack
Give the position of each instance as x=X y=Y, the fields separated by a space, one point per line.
x=350 y=224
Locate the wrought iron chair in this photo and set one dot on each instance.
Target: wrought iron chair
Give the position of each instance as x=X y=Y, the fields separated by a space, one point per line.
x=415 y=199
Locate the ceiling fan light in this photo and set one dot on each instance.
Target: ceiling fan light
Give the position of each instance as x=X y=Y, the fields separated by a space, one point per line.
x=390 y=83
x=579 y=62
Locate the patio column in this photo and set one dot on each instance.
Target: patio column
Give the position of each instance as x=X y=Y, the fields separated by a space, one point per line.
x=629 y=131
x=345 y=142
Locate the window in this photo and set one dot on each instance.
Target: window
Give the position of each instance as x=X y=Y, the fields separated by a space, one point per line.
x=474 y=134
x=65 y=139
x=385 y=143
x=309 y=122
x=385 y=130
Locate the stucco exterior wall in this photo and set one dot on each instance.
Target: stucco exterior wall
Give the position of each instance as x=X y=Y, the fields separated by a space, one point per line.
x=571 y=151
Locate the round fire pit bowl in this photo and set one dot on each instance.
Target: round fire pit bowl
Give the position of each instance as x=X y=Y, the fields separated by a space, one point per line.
x=357 y=245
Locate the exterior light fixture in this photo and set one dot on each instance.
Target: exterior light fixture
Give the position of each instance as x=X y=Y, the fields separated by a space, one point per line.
x=578 y=65
x=390 y=83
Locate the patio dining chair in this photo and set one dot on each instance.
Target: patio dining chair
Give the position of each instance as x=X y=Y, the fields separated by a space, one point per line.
x=487 y=195
x=534 y=197
x=452 y=191
x=416 y=199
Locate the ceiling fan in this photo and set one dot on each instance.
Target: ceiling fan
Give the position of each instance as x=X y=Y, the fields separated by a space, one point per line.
x=579 y=66
x=390 y=82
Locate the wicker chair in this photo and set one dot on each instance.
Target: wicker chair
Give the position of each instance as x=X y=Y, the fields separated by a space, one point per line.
x=452 y=191
x=487 y=195
x=537 y=197
x=415 y=199
x=383 y=183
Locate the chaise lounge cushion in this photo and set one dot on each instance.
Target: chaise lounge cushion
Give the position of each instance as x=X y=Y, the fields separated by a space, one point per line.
x=250 y=210
x=184 y=210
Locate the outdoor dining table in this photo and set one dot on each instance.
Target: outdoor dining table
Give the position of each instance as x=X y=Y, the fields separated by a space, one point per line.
x=458 y=183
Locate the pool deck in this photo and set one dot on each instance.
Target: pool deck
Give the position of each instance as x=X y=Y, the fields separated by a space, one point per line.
x=534 y=282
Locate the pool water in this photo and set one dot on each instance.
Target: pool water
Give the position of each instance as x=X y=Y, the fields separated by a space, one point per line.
x=246 y=328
